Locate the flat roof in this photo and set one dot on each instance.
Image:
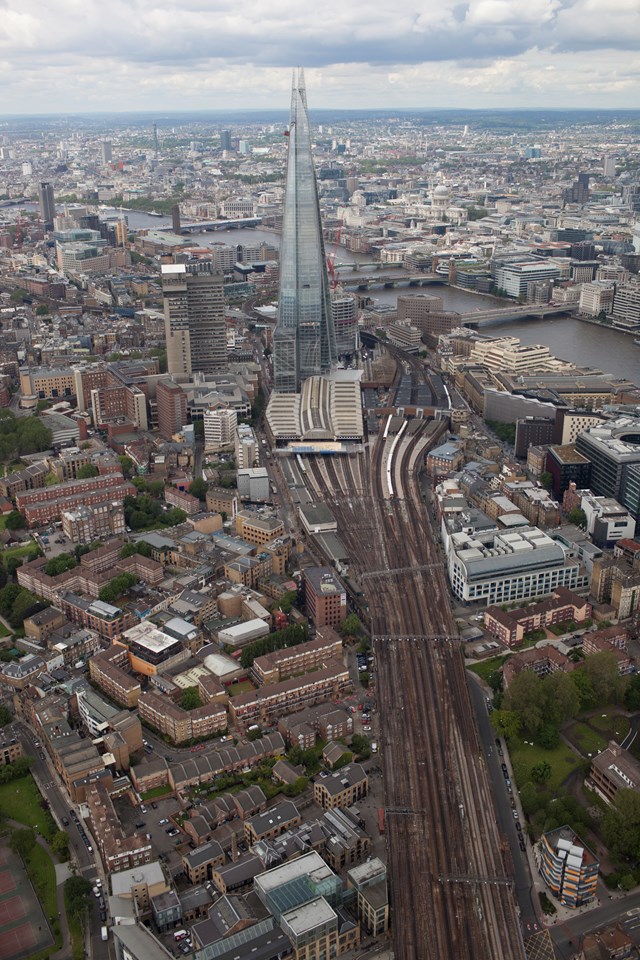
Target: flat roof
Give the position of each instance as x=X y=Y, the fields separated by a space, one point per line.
x=308 y=916
x=145 y=634
x=310 y=864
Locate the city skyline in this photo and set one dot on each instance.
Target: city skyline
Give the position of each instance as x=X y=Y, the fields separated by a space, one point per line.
x=484 y=53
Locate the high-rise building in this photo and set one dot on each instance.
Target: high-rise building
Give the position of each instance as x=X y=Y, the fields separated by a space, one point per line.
x=175 y=219
x=172 y=407
x=105 y=151
x=47 y=204
x=194 y=319
x=225 y=139
x=304 y=341
x=344 y=312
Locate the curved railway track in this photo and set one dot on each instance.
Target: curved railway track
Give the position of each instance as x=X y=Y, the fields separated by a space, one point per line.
x=451 y=889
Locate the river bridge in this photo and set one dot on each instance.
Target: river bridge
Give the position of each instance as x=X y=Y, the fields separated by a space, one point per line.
x=210 y=226
x=528 y=311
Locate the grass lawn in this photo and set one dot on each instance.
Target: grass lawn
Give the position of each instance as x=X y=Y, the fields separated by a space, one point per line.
x=43 y=876
x=245 y=686
x=487 y=667
x=20 y=800
x=562 y=761
x=3 y=631
x=26 y=550
x=586 y=740
x=77 y=941
x=612 y=725
x=155 y=792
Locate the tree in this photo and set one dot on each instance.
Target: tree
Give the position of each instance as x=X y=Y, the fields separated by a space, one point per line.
x=621 y=826
x=584 y=686
x=632 y=693
x=60 y=564
x=525 y=697
x=530 y=799
x=117 y=587
x=15 y=521
x=351 y=626
x=190 y=699
x=578 y=517
x=60 y=845
x=506 y=723
x=42 y=311
x=198 y=488
x=5 y=715
x=87 y=471
x=360 y=746
x=548 y=736
x=22 y=842
x=546 y=479
x=602 y=670
x=127 y=465
x=561 y=698
x=141 y=548
x=541 y=772
x=77 y=899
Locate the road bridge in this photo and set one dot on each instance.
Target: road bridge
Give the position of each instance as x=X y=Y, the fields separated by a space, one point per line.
x=209 y=226
x=399 y=279
x=529 y=311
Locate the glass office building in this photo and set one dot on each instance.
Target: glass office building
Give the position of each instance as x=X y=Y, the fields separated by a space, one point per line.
x=304 y=339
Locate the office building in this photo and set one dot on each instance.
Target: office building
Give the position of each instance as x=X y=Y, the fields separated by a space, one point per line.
x=219 y=428
x=225 y=140
x=304 y=342
x=325 y=597
x=533 y=432
x=597 y=298
x=194 y=320
x=344 y=311
x=613 y=450
x=568 y=867
x=513 y=276
x=566 y=465
x=503 y=567
x=106 y=153
x=175 y=219
x=172 y=407
x=47 y=204
x=246 y=447
x=626 y=304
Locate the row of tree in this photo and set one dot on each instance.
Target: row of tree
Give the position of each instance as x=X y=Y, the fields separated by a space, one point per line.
x=538 y=707
x=289 y=637
x=21 y=435
x=17 y=603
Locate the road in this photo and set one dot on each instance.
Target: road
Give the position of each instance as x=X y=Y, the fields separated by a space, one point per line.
x=53 y=790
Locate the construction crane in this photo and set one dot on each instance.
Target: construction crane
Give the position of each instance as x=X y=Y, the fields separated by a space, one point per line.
x=331 y=261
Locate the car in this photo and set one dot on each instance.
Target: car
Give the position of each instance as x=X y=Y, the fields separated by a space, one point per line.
x=154 y=805
x=42 y=756
x=497 y=741
x=515 y=814
x=101 y=902
x=143 y=809
x=507 y=781
x=512 y=802
x=522 y=846
x=171 y=831
x=164 y=820
x=103 y=915
x=504 y=769
x=65 y=822
x=518 y=826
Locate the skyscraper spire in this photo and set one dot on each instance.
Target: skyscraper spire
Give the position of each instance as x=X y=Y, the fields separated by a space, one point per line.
x=304 y=338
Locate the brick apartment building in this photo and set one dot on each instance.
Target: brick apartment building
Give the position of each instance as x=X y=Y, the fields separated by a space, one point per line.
x=183 y=500
x=118 y=851
x=43 y=506
x=181 y=725
x=325 y=597
x=107 y=670
x=258 y=706
x=172 y=407
x=282 y=664
x=510 y=626
x=342 y=788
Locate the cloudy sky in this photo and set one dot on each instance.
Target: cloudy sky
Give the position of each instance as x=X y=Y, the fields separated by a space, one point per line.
x=82 y=55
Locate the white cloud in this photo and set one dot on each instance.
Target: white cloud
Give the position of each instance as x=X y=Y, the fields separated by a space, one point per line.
x=147 y=54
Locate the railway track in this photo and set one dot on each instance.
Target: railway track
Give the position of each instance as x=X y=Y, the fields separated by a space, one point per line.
x=451 y=889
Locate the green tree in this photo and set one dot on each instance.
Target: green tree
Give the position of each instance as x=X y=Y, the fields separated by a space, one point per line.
x=525 y=696
x=351 y=626
x=602 y=670
x=127 y=465
x=578 y=517
x=117 y=587
x=15 y=521
x=198 y=488
x=584 y=686
x=506 y=723
x=60 y=845
x=22 y=842
x=190 y=699
x=77 y=899
x=546 y=479
x=530 y=799
x=5 y=715
x=42 y=311
x=60 y=564
x=87 y=471
x=141 y=548
x=632 y=693
x=621 y=826
x=548 y=736
x=360 y=746
x=541 y=772
x=25 y=605
x=562 y=701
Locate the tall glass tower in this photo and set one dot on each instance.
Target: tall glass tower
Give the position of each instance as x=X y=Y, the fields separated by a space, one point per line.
x=304 y=343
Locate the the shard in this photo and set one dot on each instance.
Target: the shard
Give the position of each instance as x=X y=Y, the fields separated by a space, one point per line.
x=304 y=343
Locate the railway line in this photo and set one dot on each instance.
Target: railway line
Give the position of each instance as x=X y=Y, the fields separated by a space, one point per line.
x=449 y=867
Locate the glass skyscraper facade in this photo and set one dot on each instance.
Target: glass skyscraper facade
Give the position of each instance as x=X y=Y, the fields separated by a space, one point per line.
x=304 y=343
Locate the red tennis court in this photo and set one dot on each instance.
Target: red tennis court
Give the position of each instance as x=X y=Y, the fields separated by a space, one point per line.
x=16 y=942
x=7 y=882
x=12 y=909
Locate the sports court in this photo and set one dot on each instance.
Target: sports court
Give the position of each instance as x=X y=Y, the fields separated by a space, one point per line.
x=23 y=927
